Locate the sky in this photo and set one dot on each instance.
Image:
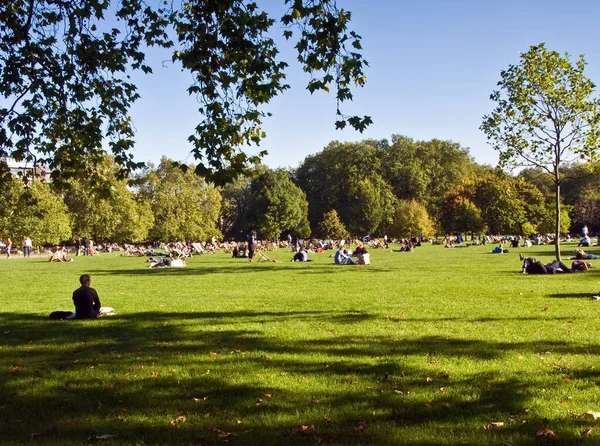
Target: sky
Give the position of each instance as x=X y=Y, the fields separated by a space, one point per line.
x=433 y=65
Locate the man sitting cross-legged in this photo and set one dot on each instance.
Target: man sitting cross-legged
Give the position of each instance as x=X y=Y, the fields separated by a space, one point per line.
x=87 y=302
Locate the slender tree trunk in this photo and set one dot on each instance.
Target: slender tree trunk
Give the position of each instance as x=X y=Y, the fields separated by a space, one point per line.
x=557 y=208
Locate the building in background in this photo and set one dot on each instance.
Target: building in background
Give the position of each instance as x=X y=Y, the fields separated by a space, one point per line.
x=26 y=168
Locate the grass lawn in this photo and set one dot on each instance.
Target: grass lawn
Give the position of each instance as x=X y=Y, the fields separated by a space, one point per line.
x=421 y=348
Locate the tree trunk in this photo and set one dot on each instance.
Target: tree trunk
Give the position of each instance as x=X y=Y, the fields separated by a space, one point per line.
x=557 y=208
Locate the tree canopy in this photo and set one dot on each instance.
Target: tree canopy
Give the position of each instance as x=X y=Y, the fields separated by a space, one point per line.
x=276 y=205
x=66 y=88
x=183 y=204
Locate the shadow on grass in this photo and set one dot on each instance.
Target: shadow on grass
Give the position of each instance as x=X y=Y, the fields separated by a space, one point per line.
x=308 y=268
x=173 y=378
x=587 y=296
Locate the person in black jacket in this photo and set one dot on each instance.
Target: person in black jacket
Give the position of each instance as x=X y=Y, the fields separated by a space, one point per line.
x=86 y=300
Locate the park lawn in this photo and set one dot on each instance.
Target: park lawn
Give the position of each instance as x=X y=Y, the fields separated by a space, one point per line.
x=429 y=347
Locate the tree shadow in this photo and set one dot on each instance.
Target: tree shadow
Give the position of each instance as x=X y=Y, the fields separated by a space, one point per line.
x=179 y=378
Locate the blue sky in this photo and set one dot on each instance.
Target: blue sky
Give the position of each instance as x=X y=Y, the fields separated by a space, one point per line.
x=433 y=65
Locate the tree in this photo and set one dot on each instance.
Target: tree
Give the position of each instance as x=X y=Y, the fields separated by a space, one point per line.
x=235 y=202
x=468 y=217
x=347 y=177
x=277 y=205
x=410 y=219
x=38 y=213
x=113 y=212
x=548 y=220
x=545 y=116
x=183 y=204
x=424 y=170
x=502 y=207
x=586 y=210
x=332 y=227
x=66 y=75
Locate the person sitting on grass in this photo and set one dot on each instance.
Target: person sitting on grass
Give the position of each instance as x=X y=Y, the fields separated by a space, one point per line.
x=87 y=302
x=60 y=255
x=360 y=249
x=300 y=256
x=341 y=257
x=585 y=241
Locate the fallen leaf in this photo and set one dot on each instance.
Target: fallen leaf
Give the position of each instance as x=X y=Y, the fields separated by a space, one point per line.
x=589 y=432
x=302 y=429
x=212 y=354
x=566 y=379
x=75 y=361
x=269 y=395
x=362 y=425
x=429 y=379
x=178 y=420
x=591 y=414
x=442 y=389
x=315 y=401
x=15 y=369
x=226 y=436
x=546 y=433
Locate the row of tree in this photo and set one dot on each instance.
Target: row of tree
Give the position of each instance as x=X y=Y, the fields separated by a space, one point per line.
x=400 y=187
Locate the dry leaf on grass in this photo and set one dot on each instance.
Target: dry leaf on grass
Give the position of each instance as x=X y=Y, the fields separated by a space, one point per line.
x=362 y=425
x=592 y=415
x=546 y=433
x=302 y=429
x=493 y=425
x=178 y=420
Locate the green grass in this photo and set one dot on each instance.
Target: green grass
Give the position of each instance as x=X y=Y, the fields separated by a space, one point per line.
x=419 y=348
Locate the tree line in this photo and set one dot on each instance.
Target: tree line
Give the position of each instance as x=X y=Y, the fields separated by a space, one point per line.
x=399 y=187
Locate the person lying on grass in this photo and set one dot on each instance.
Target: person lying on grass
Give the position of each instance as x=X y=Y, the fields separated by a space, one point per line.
x=166 y=263
x=533 y=266
x=580 y=254
x=87 y=302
